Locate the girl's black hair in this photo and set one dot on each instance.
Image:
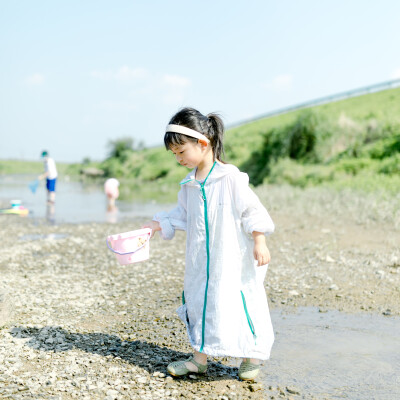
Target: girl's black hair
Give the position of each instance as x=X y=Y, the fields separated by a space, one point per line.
x=209 y=125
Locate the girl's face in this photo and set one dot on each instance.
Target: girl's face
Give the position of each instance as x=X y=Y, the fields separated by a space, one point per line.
x=189 y=154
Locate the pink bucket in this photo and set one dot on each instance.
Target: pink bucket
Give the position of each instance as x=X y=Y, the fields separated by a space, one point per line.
x=130 y=247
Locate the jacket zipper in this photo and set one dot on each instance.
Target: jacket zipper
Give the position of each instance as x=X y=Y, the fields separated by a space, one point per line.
x=203 y=194
x=204 y=197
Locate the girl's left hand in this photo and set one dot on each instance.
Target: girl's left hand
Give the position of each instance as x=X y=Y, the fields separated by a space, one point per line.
x=260 y=251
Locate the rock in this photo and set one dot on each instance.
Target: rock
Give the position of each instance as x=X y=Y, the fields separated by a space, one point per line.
x=254 y=387
x=292 y=390
x=112 y=394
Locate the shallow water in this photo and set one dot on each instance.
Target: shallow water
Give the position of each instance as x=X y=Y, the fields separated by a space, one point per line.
x=335 y=355
x=76 y=202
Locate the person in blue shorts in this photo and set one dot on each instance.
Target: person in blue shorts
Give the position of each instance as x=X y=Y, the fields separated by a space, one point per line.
x=50 y=173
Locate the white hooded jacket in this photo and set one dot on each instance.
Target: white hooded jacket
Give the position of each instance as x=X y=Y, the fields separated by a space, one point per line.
x=225 y=307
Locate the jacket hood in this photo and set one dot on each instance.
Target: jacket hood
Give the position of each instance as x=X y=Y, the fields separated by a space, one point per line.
x=218 y=171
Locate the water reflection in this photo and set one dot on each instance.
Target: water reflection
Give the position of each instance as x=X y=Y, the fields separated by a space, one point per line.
x=51 y=213
x=85 y=202
x=112 y=213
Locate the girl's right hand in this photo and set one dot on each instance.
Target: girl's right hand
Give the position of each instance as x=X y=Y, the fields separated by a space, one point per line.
x=153 y=225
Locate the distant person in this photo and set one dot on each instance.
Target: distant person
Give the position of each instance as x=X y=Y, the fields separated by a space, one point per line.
x=225 y=307
x=112 y=192
x=50 y=173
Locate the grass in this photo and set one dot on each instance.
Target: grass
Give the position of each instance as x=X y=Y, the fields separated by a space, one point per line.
x=9 y=167
x=352 y=143
x=348 y=143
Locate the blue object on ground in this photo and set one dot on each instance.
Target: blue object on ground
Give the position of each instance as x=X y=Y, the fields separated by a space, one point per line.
x=33 y=186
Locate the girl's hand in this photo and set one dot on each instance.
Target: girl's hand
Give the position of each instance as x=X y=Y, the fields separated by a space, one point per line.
x=153 y=225
x=260 y=251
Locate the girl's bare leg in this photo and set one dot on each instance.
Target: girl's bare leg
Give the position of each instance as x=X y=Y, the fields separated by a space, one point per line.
x=201 y=358
x=253 y=360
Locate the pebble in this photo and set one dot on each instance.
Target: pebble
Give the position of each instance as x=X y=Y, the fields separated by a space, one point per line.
x=292 y=390
x=254 y=387
x=81 y=326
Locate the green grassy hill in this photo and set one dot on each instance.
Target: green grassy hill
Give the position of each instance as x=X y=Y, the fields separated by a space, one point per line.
x=353 y=142
x=35 y=167
x=348 y=143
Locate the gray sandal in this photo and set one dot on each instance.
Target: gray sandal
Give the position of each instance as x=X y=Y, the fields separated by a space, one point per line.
x=248 y=371
x=178 y=368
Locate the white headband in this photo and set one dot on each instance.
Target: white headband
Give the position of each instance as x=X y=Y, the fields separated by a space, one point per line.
x=187 y=132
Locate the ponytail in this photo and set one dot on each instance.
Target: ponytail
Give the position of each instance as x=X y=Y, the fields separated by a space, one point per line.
x=209 y=125
x=216 y=128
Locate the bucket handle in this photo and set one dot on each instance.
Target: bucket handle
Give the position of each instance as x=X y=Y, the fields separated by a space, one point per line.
x=128 y=252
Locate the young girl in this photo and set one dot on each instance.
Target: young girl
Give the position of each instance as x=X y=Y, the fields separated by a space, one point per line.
x=225 y=308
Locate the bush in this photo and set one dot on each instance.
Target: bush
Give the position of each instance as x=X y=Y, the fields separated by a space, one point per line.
x=353 y=166
x=385 y=148
x=303 y=137
x=296 y=141
x=391 y=166
x=302 y=175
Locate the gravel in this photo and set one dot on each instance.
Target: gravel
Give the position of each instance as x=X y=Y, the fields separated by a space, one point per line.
x=76 y=324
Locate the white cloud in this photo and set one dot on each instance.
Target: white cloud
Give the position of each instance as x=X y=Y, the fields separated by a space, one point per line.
x=396 y=74
x=280 y=82
x=35 y=79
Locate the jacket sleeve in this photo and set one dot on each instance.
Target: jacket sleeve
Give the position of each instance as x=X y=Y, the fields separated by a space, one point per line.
x=254 y=216
x=174 y=219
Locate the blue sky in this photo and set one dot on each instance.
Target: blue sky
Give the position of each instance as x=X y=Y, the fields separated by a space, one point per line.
x=76 y=74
